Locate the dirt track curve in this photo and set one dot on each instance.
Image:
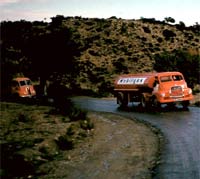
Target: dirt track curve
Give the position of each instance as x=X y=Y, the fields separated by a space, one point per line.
x=181 y=153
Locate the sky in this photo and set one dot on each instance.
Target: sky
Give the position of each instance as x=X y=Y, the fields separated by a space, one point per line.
x=186 y=11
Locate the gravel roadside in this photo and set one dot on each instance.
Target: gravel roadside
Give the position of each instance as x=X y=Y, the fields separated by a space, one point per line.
x=116 y=147
x=119 y=148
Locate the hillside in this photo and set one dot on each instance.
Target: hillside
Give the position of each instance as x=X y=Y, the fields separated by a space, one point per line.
x=128 y=46
x=105 y=48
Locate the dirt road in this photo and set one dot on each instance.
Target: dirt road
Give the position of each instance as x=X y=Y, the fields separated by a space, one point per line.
x=120 y=148
x=181 y=154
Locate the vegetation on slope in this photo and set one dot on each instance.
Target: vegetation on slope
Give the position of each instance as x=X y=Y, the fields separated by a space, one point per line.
x=87 y=53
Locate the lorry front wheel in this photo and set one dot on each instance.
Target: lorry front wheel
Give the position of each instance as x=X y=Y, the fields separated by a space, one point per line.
x=155 y=103
x=185 y=104
x=15 y=96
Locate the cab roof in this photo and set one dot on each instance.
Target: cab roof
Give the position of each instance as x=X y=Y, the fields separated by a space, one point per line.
x=153 y=74
x=21 y=78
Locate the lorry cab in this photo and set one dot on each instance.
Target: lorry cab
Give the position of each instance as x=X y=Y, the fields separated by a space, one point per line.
x=172 y=88
x=22 y=87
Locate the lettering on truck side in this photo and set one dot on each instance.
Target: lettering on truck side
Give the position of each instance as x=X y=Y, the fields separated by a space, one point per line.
x=131 y=81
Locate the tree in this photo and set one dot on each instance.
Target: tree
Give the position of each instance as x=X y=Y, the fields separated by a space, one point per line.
x=169 y=19
x=53 y=51
x=182 y=61
x=181 y=26
x=39 y=49
x=13 y=60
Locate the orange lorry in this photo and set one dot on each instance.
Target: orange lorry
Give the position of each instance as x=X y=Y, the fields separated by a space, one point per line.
x=22 y=87
x=152 y=89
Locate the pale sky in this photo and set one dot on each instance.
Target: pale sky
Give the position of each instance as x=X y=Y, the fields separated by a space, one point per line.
x=186 y=11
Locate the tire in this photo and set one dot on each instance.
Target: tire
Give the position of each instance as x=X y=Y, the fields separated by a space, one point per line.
x=185 y=104
x=143 y=102
x=15 y=97
x=122 y=99
x=155 y=103
x=171 y=105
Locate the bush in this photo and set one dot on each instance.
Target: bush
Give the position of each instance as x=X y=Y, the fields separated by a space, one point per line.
x=93 y=53
x=168 y=34
x=181 y=26
x=146 y=30
x=159 y=39
x=105 y=88
x=197 y=104
x=76 y=114
x=196 y=89
x=74 y=133
x=11 y=158
x=149 y=20
x=124 y=28
x=120 y=66
x=86 y=124
x=182 y=61
x=65 y=142
x=170 y=19
x=23 y=117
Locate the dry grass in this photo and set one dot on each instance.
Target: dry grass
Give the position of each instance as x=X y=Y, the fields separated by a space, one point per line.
x=46 y=145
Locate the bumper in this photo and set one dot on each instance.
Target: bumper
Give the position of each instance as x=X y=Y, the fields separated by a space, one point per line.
x=175 y=99
x=28 y=96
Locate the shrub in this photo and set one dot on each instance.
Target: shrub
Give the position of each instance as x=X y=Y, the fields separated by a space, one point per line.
x=108 y=41
x=146 y=30
x=144 y=39
x=76 y=114
x=11 y=158
x=150 y=20
x=86 y=124
x=181 y=26
x=168 y=34
x=71 y=130
x=169 y=19
x=120 y=66
x=159 y=39
x=65 y=142
x=89 y=23
x=124 y=28
x=197 y=104
x=105 y=88
x=23 y=117
x=93 y=53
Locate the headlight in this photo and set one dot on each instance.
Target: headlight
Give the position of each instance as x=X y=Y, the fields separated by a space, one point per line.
x=162 y=95
x=190 y=91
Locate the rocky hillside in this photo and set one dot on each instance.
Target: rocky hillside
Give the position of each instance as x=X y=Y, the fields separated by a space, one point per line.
x=92 y=51
x=113 y=46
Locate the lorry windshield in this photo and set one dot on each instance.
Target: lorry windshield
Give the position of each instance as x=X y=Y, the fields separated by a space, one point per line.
x=165 y=78
x=177 y=77
x=25 y=82
x=170 y=78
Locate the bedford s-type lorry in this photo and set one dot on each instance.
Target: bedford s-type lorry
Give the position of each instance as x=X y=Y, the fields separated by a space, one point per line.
x=152 y=89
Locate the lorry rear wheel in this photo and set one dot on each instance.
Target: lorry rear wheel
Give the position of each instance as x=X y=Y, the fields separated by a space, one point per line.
x=122 y=99
x=143 y=102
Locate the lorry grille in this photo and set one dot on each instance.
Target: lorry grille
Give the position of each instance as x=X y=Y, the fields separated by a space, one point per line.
x=176 y=91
